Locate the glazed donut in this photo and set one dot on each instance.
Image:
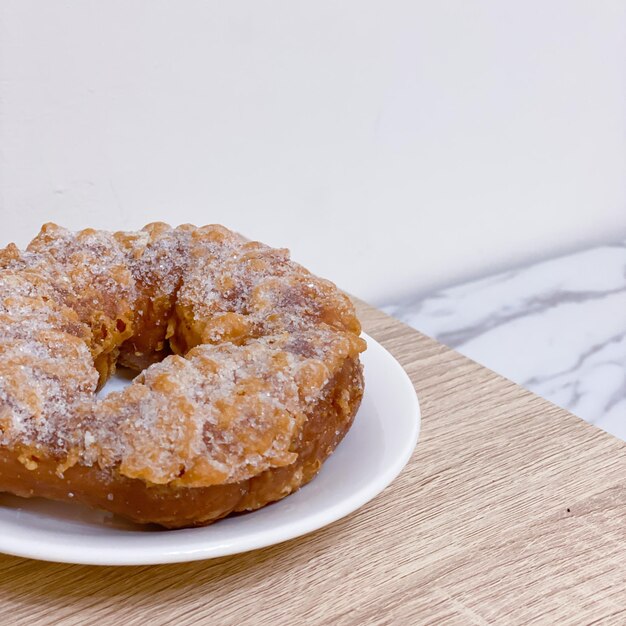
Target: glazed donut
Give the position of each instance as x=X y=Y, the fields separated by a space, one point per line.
x=249 y=372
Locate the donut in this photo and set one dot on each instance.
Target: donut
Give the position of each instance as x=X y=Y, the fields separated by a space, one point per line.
x=248 y=372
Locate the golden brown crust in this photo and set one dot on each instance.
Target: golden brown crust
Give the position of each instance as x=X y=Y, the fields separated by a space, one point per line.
x=178 y=507
x=267 y=382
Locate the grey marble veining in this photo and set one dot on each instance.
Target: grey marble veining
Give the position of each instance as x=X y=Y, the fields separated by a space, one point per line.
x=557 y=328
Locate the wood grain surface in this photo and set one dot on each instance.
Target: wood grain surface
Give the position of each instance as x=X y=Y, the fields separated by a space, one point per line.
x=510 y=511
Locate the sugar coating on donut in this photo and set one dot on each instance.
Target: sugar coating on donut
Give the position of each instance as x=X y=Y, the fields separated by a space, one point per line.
x=45 y=365
x=256 y=338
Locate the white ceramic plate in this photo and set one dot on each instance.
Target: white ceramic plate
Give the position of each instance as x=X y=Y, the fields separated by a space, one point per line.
x=372 y=454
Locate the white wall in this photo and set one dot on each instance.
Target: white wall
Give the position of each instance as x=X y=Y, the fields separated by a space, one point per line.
x=392 y=145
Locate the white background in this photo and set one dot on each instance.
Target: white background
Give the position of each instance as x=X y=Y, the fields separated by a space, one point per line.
x=393 y=146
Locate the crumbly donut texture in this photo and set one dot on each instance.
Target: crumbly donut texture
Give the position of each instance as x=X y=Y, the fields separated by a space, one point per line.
x=250 y=372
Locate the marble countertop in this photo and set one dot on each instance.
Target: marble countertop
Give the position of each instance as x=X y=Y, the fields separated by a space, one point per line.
x=557 y=328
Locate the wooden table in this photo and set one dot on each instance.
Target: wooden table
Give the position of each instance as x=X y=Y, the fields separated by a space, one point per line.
x=511 y=510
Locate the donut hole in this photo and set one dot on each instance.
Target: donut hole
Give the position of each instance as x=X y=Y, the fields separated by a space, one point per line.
x=119 y=380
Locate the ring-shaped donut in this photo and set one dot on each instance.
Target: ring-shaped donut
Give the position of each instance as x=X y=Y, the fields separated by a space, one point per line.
x=249 y=371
